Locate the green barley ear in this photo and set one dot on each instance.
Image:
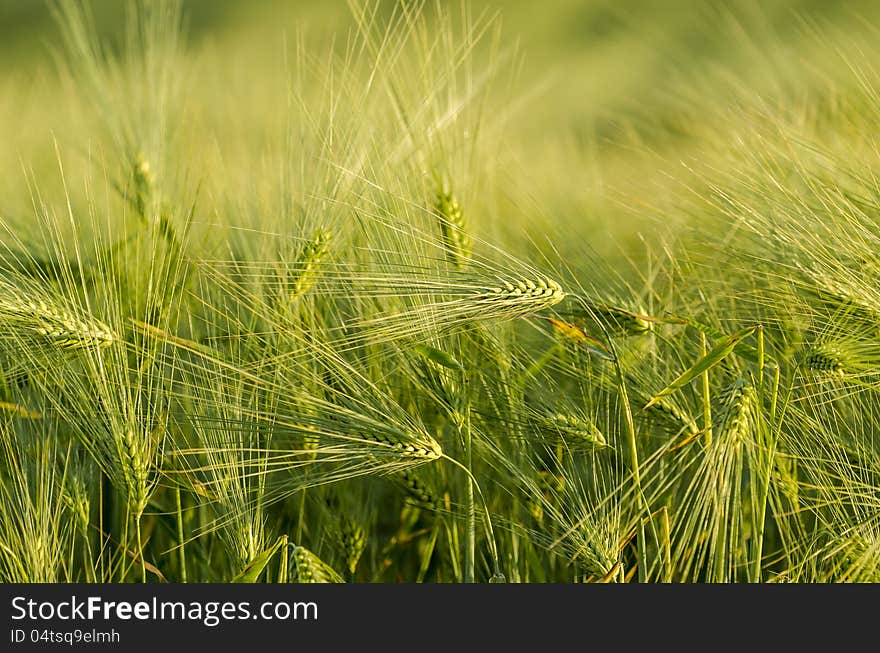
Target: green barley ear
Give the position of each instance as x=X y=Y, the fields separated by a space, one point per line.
x=75 y=496
x=135 y=454
x=413 y=445
x=311 y=445
x=575 y=430
x=420 y=447
x=308 y=263
x=309 y=568
x=27 y=315
x=143 y=181
x=824 y=358
x=841 y=357
x=453 y=231
x=35 y=527
x=521 y=298
x=353 y=542
x=668 y=408
x=417 y=492
x=594 y=544
x=739 y=406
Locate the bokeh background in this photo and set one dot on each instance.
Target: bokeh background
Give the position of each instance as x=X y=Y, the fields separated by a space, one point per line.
x=606 y=103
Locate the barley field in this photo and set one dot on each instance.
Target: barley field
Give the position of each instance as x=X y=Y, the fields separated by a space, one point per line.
x=324 y=292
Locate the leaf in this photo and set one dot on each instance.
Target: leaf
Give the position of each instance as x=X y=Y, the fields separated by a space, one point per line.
x=718 y=353
x=581 y=337
x=18 y=411
x=437 y=356
x=153 y=569
x=255 y=567
x=5 y=395
x=743 y=349
x=619 y=321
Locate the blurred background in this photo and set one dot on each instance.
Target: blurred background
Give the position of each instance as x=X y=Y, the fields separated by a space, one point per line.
x=604 y=99
x=593 y=57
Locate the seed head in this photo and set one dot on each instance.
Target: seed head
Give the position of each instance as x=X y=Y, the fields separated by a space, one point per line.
x=518 y=298
x=309 y=568
x=452 y=227
x=308 y=263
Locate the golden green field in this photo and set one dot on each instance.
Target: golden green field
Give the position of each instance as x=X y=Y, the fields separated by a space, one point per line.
x=576 y=291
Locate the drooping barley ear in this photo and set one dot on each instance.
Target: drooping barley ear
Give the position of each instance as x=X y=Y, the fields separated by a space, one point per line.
x=308 y=263
x=520 y=298
x=575 y=430
x=56 y=324
x=417 y=446
x=309 y=568
x=352 y=542
x=417 y=492
x=838 y=290
x=453 y=229
x=595 y=545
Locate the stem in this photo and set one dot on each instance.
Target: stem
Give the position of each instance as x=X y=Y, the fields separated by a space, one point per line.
x=101 y=540
x=707 y=395
x=180 y=540
x=761 y=359
x=642 y=562
x=282 y=571
x=774 y=397
x=667 y=547
x=766 y=436
x=123 y=565
x=471 y=546
x=140 y=547
x=301 y=517
x=634 y=462
x=490 y=532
